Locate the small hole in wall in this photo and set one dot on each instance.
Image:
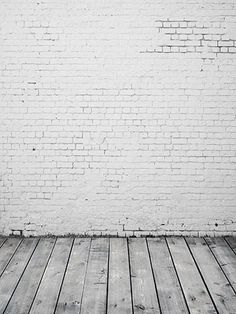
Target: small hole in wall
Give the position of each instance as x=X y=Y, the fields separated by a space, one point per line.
x=216 y=224
x=34 y=149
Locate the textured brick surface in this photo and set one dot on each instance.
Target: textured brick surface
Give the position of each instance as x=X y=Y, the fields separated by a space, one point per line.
x=118 y=117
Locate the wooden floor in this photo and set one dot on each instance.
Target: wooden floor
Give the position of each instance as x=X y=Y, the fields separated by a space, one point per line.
x=118 y=275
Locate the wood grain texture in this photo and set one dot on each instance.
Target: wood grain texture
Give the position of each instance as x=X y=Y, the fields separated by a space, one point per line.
x=6 y=252
x=95 y=289
x=194 y=289
x=225 y=257
x=119 y=292
x=71 y=293
x=144 y=293
x=117 y=276
x=21 y=300
x=46 y=298
x=232 y=243
x=14 y=270
x=168 y=287
x=218 y=285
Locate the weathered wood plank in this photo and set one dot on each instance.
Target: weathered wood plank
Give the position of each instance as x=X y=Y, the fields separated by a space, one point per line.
x=143 y=288
x=24 y=294
x=169 y=291
x=232 y=243
x=29 y=273
x=2 y=240
x=119 y=293
x=14 y=270
x=94 y=296
x=194 y=289
x=71 y=294
x=220 y=290
x=47 y=295
x=6 y=252
x=225 y=257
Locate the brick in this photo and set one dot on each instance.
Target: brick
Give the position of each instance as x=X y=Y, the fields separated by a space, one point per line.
x=117 y=122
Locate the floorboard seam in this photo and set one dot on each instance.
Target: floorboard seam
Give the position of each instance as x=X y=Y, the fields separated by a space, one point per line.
x=3 y=243
x=108 y=267
x=234 y=251
x=85 y=275
x=49 y=257
x=154 y=279
x=130 y=274
x=204 y=282
x=11 y=257
x=173 y=263
x=21 y=276
x=62 y=281
x=220 y=266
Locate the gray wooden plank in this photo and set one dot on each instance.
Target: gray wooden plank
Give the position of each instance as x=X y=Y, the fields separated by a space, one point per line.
x=24 y=294
x=225 y=257
x=232 y=242
x=169 y=291
x=143 y=287
x=47 y=295
x=2 y=240
x=194 y=289
x=218 y=285
x=119 y=293
x=94 y=295
x=71 y=293
x=14 y=270
x=6 y=252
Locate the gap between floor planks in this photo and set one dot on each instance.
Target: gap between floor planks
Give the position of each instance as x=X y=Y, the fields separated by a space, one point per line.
x=117 y=275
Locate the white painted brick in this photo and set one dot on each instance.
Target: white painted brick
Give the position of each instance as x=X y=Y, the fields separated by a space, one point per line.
x=117 y=124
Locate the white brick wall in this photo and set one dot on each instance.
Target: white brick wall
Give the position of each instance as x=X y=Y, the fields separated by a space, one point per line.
x=118 y=117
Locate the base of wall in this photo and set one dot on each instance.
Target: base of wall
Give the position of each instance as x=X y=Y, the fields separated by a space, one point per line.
x=108 y=221
x=125 y=234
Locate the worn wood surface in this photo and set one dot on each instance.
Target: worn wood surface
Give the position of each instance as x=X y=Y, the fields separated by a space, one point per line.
x=71 y=294
x=168 y=287
x=117 y=275
x=143 y=287
x=22 y=298
x=119 y=293
x=95 y=288
x=225 y=257
x=218 y=285
x=2 y=240
x=46 y=298
x=14 y=270
x=7 y=251
x=232 y=243
x=194 y=288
